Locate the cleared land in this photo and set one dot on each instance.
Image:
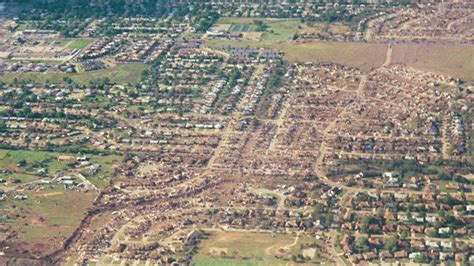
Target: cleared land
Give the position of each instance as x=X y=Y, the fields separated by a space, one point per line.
x=361 y=55
x=454 y=60
x=234 y=248
x=337 y=28
x=123 y=73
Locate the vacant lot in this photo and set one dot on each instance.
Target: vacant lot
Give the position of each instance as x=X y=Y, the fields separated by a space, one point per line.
x=123 y=73
x=453 y=60
x=234 y=248
x=360 y=55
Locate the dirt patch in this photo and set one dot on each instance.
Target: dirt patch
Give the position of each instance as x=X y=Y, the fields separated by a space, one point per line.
x=254 y=36
x=218 y=251
x=469 y=176
x=50 y=194
x=38 y=221
x=309 y=252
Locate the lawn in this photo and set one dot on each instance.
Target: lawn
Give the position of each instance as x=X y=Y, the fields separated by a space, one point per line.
x=234 y=248
x=121 y=74
x=360 y=55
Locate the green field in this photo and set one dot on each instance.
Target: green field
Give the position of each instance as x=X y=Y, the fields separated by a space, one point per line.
x=102 y=177
x=123 y=73
x=234 y=248
x=278 y=29
x=35 y=160
x=78 y=43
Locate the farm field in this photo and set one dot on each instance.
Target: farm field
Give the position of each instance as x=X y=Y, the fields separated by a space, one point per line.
x=234 y=248
x=124 y=73
x=455 y=60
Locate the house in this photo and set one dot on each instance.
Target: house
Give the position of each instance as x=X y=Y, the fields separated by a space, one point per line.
x=418 y=244
x=432 y=255
x=400 y=254
x=415 y=255
x=461 y=231
x=369 y=255
x=444 y=230
x=385 y=255
x=447 y=244
x=460 y=256
x=443 y=256
x=432 y=243
x=431 y=218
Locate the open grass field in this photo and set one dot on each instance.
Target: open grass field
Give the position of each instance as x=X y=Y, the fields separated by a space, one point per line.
x=9 y=160
x=360 y=55
x=35 y=160
x=234 y=248
x=454 y=60
x=78 y=43
x=50 y=213
x=45 y=219
x=123 y=73
x=107 y=165
x=278 y=29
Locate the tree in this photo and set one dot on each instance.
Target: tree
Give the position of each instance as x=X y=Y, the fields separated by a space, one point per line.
x=3 y=126
x=362 y=244
x=365 y=222
x=404 y=234
x=391 y=244
x=294 y=257
x=260 y=25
